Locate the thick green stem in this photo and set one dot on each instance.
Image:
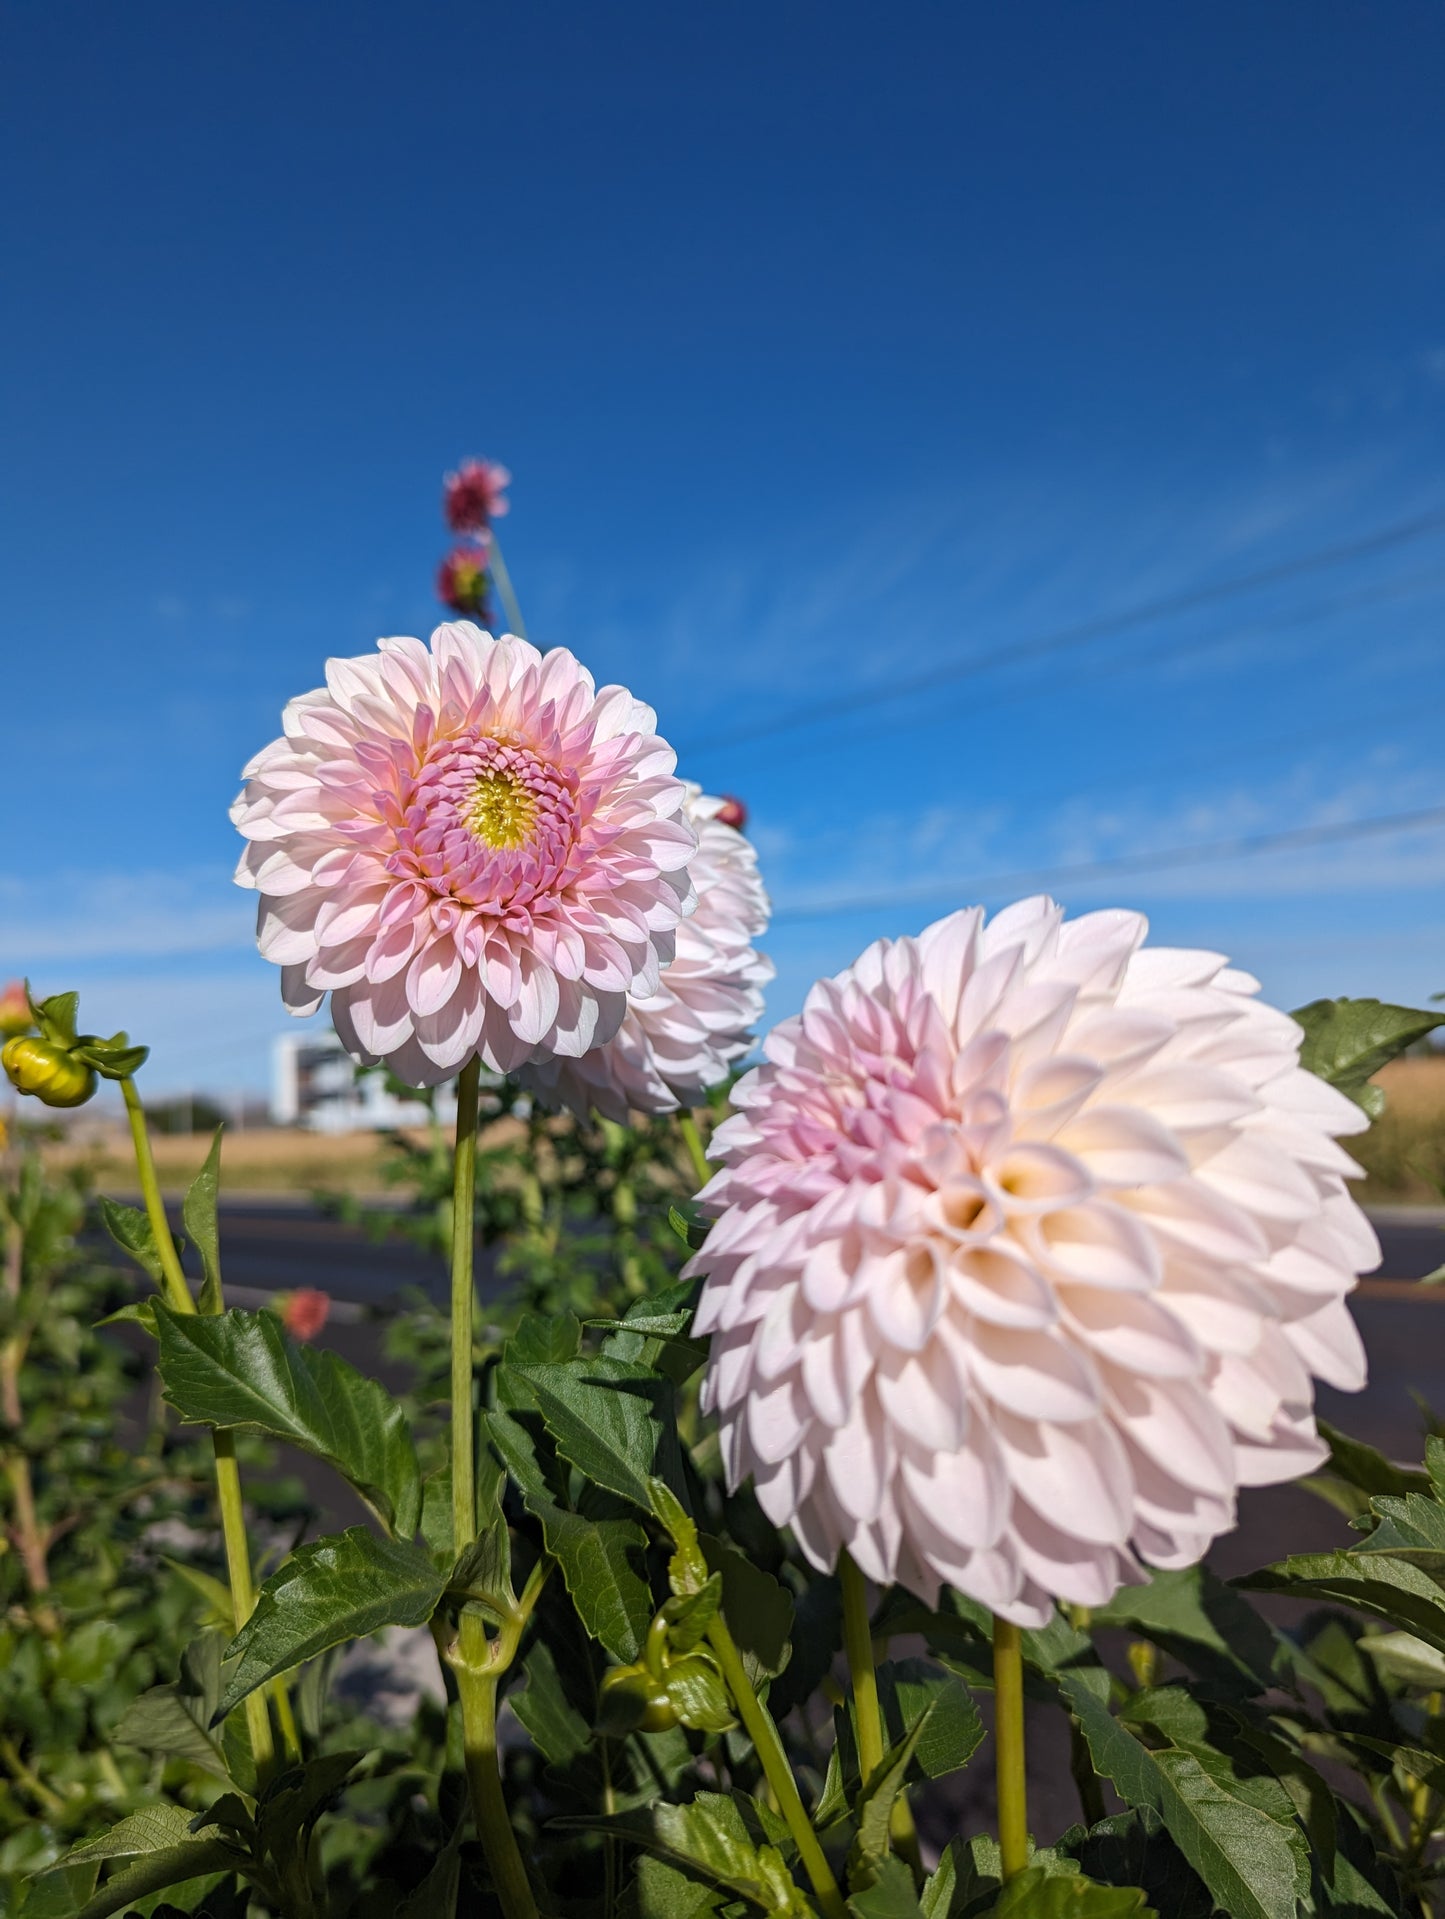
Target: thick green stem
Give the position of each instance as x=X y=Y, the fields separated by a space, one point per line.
x=503 y=578
x=858 y=1644
x=464 y=1186
x=776 y=1770
x=478 y=1663
x=145 y=1165
x=228 y=1477
x=692 y=1139
x=868 y=1716
x=1008 y=1737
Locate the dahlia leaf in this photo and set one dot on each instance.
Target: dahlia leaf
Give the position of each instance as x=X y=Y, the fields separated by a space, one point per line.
x=1195 y=1618
x=690 y=1225
x=687 y=1570
x=890 y=1896
x=660 y=1891
x=757 y=1610
x=610 y=1418
x=595 y=1552
x=558 y=1731
x=1390 y=1586
x=1365 y=1467
x=909 y=1688
x=240 y=1370
x=1347 y=1041
x=724 y=1838
x=1407 y=1658
x=131 y=1231
x=335 y=1589
x=1255 y=1865
x=174 y=1720
x=1040 y=1894
x=292 y=1802
x=199 y=1214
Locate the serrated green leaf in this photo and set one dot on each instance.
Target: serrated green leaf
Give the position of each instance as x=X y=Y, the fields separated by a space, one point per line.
x=239 y=1369
x=140 y=1312
x=174 y=1866
x=558 y=1730
x=710 y=1836
x=199 y=1214
x=174 y=1720
x=877 y=1799
x=909 y=1688
x=687 y=1570
x=1038 y=1894
x=131 y=1231
x=1347 y=1041
x=56 y=1017
x=334 y=1589
x=151 y=1829
x=543 y=1341
x=1252 y=1863
x=1366 y=1467
x=757 y=1610
x=292 y=1802
x=1197 y=1619
x=890 y=1896
x=660 y=1891
x=611 y=1419
x=690 y=1614
x=596 y=1549
x=1407 y=1658
x=1389 y=1586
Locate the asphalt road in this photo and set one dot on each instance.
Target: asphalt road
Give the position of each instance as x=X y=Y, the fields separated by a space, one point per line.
x=275 y=1245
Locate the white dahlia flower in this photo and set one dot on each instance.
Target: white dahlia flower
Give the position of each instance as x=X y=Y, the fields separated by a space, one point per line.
x=1028 y=1241
x=475 y=851
x=682 y=1038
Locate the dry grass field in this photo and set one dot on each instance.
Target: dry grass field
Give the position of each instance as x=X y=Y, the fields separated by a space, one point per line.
x=279 y=1160
x=1402 y=1155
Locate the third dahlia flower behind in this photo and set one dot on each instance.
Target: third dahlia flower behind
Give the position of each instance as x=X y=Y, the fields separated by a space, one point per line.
x=680 y=1040
x=476 y=852
x=1029 y=1240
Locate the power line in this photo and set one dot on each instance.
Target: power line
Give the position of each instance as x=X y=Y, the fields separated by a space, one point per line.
x=1197 y=855
x=1167 y=606
x=1136 y=662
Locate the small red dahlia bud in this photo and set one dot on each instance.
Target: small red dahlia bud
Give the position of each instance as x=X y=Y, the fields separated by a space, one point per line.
x=15 y=1015
x=474 y=495
x=462 y=582
x=305 y=1312
x=732 y=812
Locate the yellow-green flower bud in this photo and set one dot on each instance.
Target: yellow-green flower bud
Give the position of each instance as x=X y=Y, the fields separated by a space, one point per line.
x=47 y=1071
x=631 y=1699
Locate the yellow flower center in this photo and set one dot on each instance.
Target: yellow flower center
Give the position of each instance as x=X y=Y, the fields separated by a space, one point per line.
x=502 y=811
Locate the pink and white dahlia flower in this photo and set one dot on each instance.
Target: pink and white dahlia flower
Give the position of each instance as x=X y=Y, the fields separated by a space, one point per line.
x=1029 y=1239
x=476 y=852
x=682 y=1038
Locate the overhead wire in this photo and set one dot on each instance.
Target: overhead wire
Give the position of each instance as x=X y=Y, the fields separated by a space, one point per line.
x=1062 y=639
x=1198 y=854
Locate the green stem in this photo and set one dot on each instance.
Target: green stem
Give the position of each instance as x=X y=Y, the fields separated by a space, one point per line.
x=228 y=1477
x=858 y=1643
x=145 y=1165
x=776 y=1770
x=477 y=1662
x=464 y=1185
x=1008 y=1734
x=504 y=585
x=692 y=1139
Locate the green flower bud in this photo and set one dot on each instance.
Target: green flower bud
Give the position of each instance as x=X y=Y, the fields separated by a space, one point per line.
x=46 y=1070
x=631 y=1699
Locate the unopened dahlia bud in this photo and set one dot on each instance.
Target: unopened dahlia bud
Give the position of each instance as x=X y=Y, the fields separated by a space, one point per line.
x=47 y=1072
x=15 y=1014
x=462 y=581
x=732 y=813
x=475 y=495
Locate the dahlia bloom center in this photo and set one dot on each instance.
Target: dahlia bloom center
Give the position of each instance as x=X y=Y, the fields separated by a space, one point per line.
x=488 y=822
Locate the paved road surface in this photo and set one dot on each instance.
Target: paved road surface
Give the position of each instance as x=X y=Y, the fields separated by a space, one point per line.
x=273 y=1245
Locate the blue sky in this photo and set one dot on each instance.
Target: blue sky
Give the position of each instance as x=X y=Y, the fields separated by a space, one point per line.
x=829 y=348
